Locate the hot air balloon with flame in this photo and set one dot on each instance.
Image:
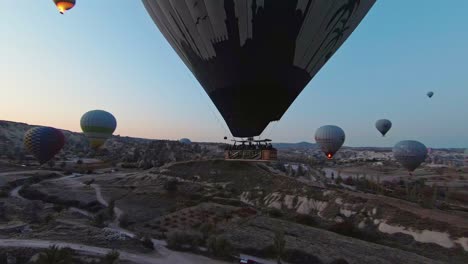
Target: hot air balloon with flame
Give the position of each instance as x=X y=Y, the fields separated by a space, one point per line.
x=64 y=5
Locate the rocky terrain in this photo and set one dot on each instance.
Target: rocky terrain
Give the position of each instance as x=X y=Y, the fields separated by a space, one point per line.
x=157 y=201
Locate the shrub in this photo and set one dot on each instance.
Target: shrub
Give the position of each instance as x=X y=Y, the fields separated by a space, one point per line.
x=339 y=261
x=171 y=185
x=55 y=255
x=206 y=229
x=182 y=240
x=49 y=218
x=279 y=244
x=110 y=209
x=274 y=212
x=111 y=258
x=124 y=221
x=295 y=256
x=307 y=220
x=58 y=208
x=347 y=228
x=100 y=219
x=220 y=247
x=147 y=242
x=3 y=194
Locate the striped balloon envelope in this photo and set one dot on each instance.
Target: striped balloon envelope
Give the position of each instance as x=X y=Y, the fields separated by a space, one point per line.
x=98 y=126
x=44 y=142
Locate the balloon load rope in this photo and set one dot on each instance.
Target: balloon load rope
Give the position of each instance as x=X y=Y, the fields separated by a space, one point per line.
x=210 y=107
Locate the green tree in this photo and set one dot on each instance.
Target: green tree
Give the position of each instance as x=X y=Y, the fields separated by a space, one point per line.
x=110 y=209
x=55 y=255
x=112 y=257
x=220 y=247
x=279 y=244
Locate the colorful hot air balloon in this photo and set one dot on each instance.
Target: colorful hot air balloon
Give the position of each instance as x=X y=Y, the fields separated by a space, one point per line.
x=44 y=142
x=185 y=141
x=330 y=138
x=430 y=94
x=253 y=58
x=64 y=5
x=98 y=126
x=410 y=154
x=383 y=125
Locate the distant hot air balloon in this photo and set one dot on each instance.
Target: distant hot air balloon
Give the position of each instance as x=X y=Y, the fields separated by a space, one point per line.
x=383 y=125
x=330 y=138
x=98 y=126
x=430 y=94
x=185 y=141
x=64 y=5
x=253 y=58
x=44 y=142
x=410 y=154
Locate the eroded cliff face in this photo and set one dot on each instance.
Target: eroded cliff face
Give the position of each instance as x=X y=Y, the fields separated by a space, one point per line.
x=383 y=214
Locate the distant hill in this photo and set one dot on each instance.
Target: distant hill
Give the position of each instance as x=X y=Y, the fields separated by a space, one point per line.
x=299 y=145
x=143 y=153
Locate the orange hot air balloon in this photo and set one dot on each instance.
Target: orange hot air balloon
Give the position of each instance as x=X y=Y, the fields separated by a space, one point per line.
x=64 y=5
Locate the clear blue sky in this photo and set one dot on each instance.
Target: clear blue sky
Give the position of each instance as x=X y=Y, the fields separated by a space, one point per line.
x=109 y=55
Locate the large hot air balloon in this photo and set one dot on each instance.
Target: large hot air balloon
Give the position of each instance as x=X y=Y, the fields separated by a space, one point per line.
x=383 y=126
x=330 y=138
x=44 y=142
x=430 y=94
x=64 y=5
x=253 y=58
x=185 y=141
x=98 y=126
x=410 y=154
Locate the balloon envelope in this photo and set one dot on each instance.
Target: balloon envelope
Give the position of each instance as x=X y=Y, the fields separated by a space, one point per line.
x=185 y=141
x=98 y=126
x=330 y=138
x=410 y=154
x=383 y=125
x=430 y=94
x=253 y=58
x=44 y=142
x=64 y=5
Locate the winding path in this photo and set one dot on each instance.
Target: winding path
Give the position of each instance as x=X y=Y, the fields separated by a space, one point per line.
x=154 y=258
x=162 y=255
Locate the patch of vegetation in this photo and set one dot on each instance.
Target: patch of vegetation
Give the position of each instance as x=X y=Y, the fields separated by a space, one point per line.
x=55 y=255
x=279 y=244
x=347 y=228
x=307 y=220
x=295 y=256
x=58 y=208
x=171 y=185
x=181 y=240
x=207 y=229
x=339 y=261
x=274 y=212
x=147 y=242
x=3 y=194
x=124 y=222
x=220 y=247
x=111 y=258
x=101 y=218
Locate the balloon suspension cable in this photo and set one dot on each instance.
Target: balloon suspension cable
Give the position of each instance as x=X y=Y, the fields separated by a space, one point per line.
x=226 y=131
x=275 y=124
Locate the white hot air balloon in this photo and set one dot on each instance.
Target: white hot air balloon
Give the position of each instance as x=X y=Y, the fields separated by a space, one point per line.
x=330 y=138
